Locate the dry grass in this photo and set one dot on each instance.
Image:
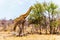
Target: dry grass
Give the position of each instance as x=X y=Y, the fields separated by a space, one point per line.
x=8 y=36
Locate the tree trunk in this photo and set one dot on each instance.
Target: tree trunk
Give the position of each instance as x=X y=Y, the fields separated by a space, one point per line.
x=50 y=25
x=54 y=31
x=46 y=29
x=40 y=29
x=50 y=29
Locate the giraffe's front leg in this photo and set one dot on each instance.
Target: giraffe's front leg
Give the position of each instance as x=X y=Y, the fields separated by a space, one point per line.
x=21 y=33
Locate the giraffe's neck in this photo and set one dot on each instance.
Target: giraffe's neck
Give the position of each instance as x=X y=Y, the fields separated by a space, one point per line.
x=22 y=17
x=28 y=12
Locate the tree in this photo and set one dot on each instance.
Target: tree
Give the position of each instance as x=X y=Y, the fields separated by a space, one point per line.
x=51 y=9
x=45 y=7
x=37 y=14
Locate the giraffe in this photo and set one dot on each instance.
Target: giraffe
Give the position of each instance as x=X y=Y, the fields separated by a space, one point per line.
x=21 y=20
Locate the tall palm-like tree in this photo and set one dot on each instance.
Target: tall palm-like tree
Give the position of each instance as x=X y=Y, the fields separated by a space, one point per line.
x=45 y=7
x=51 y=13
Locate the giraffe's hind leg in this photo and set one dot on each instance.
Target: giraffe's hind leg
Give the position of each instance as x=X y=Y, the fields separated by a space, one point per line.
x=15 y=26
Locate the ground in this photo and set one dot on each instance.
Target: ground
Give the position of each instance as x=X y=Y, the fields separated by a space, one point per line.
x=8 y=36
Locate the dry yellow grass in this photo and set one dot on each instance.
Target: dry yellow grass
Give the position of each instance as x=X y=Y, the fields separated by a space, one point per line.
x=9 y=36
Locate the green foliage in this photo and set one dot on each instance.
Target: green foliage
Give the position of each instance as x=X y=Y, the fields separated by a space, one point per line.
x=54 y=23
x=37 y=13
